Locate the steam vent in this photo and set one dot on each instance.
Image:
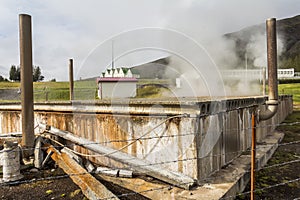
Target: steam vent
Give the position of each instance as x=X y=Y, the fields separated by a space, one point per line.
x=123 y=143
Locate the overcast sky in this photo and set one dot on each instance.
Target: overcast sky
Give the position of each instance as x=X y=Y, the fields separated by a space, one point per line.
x=83 y=30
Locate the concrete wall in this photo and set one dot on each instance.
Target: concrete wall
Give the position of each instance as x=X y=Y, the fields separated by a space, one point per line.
x=209 y=136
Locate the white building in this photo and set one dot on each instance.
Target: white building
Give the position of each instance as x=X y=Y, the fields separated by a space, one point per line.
x=255 y=74
x=116 y=87
x=286 y=73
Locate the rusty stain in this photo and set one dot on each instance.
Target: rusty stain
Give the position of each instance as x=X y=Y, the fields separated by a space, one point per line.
x=105 y=128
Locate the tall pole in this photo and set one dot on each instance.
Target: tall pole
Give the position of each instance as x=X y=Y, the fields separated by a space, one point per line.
x=272 y=103
x=246 y=65
x=272 y=59
x=253 y=155
x=264 y=80
x=26 y=84
x=112 y=55
x=71 y=79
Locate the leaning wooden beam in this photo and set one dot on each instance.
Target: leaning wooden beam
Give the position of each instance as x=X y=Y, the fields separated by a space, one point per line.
x=89 y=185
x=173 y=178
x=140 y=186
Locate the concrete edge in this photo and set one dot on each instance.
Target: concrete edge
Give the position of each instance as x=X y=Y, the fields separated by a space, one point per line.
x=264 y=152
x=224 y=184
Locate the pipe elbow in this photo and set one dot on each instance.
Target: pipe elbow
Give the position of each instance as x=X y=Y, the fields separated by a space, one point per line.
x=272 y=107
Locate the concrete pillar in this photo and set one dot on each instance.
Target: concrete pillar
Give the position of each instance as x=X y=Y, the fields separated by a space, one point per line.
x=71 y=79
x=26 y=83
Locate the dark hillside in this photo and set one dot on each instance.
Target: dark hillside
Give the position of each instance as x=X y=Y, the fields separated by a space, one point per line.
x=155 y=69
x=288 y=30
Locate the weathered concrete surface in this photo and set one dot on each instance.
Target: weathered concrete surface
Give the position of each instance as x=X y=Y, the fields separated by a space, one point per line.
x=224 y=184
x=171 y=177
x=213 y=134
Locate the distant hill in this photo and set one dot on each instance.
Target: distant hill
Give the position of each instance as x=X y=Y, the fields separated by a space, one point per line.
x=288 y=31
x=154 y=69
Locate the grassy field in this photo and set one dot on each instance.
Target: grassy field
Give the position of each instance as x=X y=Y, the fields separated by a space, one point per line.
x=87 y=90
x=83 y=90
x=292 y=88
x=57 y=91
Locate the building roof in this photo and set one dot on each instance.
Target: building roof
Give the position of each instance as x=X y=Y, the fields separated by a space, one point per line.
x=116 y=79
x=124 y=69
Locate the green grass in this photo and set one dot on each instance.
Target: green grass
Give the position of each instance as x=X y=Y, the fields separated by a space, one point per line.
x=153 y=92
x=57 y=91
x=87 y=90
x=292 y=88
x=9 y=85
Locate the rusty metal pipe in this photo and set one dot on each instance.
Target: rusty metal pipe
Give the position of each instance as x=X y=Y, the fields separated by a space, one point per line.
x=272 y=103
x=253 y=156
x=264 y=80
x=26 y=83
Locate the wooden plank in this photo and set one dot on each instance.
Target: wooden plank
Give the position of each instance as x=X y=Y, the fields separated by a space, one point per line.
x=142 y=166
x=89 y=185
x=147 y=189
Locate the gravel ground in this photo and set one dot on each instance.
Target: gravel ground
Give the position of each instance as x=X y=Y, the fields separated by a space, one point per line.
x=42 y=185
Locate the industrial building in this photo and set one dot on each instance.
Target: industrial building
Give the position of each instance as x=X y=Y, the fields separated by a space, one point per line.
x=116 y=87
x=117 y=83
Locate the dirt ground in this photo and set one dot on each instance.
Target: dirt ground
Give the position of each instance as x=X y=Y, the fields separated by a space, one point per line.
x=271 y=183
x=45 y=184
x=281 y=182
x=52 y=184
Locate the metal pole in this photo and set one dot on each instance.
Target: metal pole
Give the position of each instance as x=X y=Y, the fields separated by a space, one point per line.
x=272 y=103
x=26 y=84
x=71 y=79
x=272 y=59
x=253 y=155
x=112 y=56
x=264 y=80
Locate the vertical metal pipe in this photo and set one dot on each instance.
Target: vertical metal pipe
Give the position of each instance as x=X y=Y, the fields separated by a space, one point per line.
x=253 y=156
x=264 y=80
x=26 y=83
x=71 y=79
x=272 y=58
x=272 y=103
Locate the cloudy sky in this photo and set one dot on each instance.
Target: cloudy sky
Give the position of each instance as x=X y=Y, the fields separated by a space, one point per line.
x=84 y=30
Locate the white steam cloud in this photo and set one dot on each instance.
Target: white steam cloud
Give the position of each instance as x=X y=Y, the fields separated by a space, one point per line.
x=257 y=49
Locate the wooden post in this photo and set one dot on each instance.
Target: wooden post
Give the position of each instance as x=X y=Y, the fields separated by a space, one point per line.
x=71 y=79
x=253 y=155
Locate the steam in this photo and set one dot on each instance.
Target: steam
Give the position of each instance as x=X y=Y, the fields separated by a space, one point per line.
x=222 y=53
x=61 y=33
x=257 y=49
